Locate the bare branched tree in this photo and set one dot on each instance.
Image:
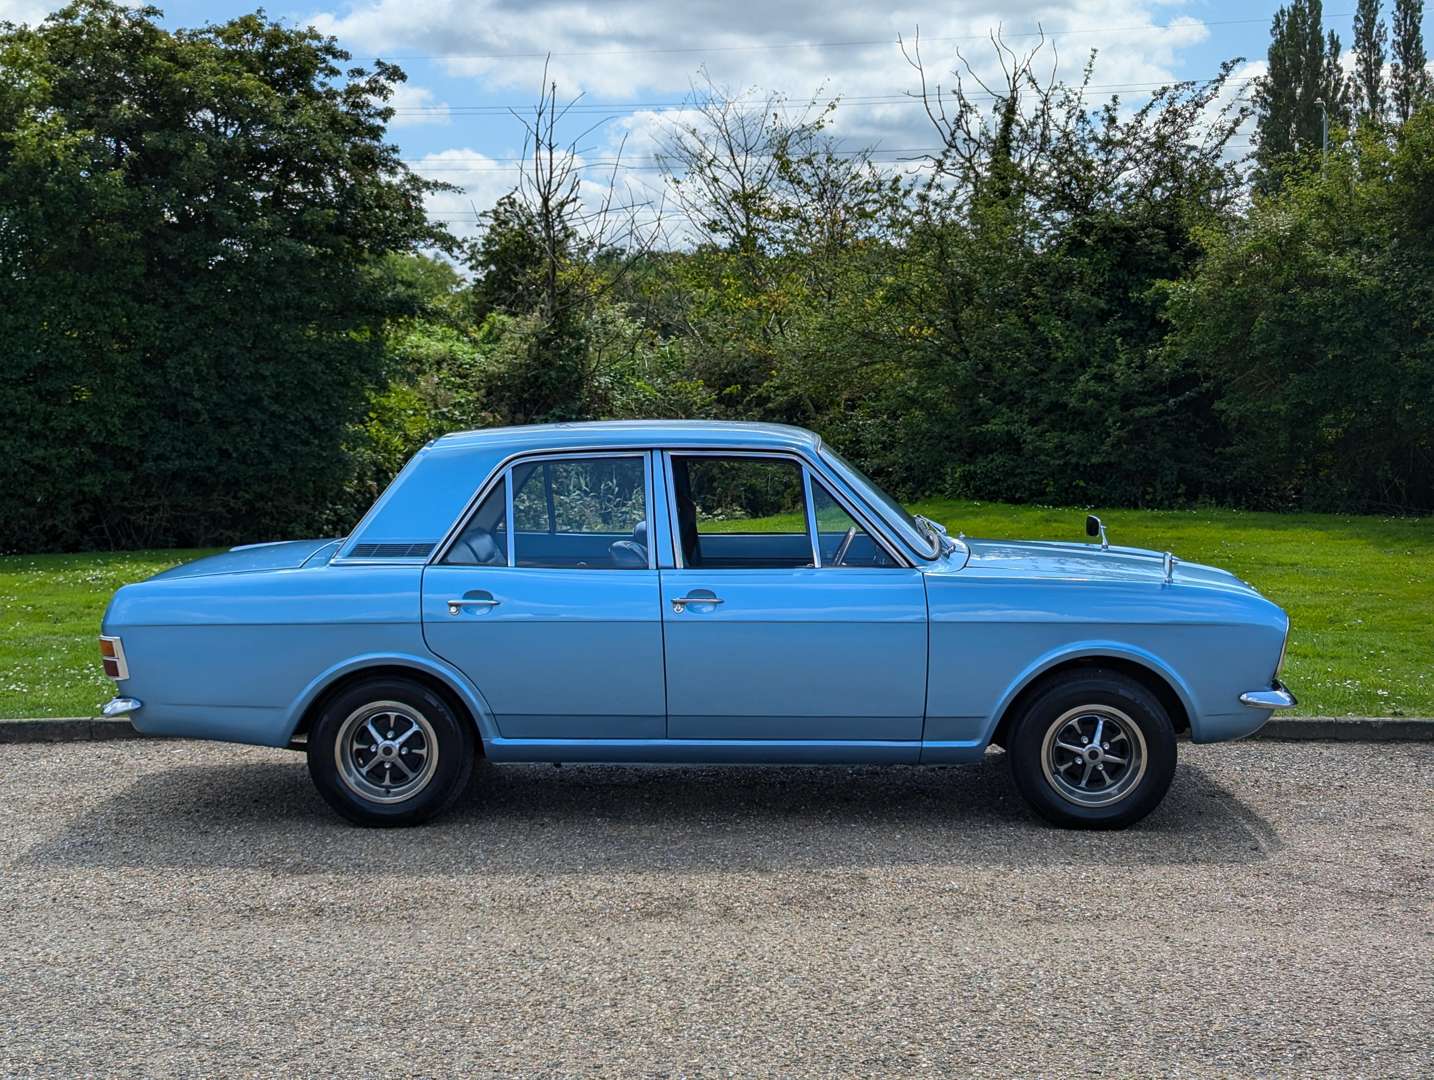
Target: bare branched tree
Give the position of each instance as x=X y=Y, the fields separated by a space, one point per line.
x=615 y=220
x=1030 y=136
x=553 y=252
x=723 y=160
x=984 y=148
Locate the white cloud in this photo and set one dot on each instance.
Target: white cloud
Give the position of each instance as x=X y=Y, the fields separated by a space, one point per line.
x=638 y=51
x=480 y=181
x=416 y=105
x=25 y=11
x=1241 y=84
x=622 y=47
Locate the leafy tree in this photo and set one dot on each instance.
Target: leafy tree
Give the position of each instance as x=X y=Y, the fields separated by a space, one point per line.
x=539 y=260
x=508 y=259
x=1308 y=320
x=431 y=357
x=1032 y=318
x=789 y=233
x=1370 y=53
x=192 y=227
x=1304 y=70
x=1411 y=83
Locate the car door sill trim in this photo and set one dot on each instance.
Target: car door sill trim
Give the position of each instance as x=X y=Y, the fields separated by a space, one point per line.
x=704 y=751
x=706 y=742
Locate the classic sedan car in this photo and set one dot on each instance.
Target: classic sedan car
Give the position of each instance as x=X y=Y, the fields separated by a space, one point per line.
x=689 y=592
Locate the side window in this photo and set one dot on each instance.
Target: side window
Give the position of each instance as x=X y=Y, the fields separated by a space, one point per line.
x=586 y=513
x=740 y=513
x=532 y=500
x=484 y=540
x=841 y=540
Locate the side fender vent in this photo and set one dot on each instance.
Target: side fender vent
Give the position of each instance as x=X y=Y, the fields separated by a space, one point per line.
x=419 y=550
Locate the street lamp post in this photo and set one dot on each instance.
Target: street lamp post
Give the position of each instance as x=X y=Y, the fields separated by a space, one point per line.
x=1323 y=127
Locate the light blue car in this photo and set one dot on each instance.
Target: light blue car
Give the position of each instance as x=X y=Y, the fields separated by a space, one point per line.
x=689 y=592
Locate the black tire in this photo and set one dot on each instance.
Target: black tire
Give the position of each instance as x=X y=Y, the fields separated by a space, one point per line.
x=1065 y=711
x=438 y=753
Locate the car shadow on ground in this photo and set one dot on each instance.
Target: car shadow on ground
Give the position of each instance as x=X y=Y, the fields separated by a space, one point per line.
x=535 y=819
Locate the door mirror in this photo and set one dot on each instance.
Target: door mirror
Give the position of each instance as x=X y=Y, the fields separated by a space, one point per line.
x=1093 y=527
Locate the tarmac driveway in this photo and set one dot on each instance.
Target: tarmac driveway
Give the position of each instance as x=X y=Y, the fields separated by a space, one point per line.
x=182 y=908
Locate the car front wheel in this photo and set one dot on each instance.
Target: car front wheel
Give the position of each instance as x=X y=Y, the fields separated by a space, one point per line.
x=1093 y=750
x=390 y=752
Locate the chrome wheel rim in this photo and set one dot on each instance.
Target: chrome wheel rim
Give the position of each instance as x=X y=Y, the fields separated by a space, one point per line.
x=386 y=752
x=1093 y=755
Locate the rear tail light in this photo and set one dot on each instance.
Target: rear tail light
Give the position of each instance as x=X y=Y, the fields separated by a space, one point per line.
x=112 y=656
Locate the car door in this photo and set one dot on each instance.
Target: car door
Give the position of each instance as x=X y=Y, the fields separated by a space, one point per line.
x=547 y=598
x=785 y=617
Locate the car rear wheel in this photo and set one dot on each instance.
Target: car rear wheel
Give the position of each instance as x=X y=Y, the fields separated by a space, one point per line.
x=1093 y=749
x=390 y=752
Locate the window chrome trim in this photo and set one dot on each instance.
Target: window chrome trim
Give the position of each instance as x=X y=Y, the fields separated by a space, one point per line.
x=510 y=519
x=504 y=471
x=669 y=496
x=661 y=508
x=806 y=465
x=812 y=533
x=870 y=519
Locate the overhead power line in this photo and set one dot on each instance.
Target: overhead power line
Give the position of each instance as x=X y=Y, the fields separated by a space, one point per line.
x=621 y=108
x=442 y=165
x=439 y=158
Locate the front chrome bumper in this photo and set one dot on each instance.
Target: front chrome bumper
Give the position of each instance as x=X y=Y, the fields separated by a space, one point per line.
x=119 y=706
x=1276 y=697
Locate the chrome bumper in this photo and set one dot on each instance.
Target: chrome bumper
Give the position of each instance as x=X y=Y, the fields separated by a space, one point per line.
x=119 y=706
x=1276 y=697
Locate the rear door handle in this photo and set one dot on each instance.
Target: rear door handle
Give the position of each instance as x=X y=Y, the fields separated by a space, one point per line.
x=455 y=606
x=679 y=602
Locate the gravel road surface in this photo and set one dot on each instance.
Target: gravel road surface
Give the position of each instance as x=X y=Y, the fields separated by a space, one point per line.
x=188 y=909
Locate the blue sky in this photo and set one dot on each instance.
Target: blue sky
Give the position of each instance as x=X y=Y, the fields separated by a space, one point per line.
x=632 y=61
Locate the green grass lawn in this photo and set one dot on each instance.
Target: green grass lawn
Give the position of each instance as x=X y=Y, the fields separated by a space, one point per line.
x=50 y=609
x=1360 y=591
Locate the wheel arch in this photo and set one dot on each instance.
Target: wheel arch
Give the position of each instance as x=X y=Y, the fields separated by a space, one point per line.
x=461 y=695
x=1141 y=666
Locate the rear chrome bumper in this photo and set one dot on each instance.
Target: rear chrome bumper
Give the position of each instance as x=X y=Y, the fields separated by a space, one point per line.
x=119 y=706
x=1276 y=697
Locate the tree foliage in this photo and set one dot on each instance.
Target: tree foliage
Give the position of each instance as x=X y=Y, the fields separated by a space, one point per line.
x=1371 y=51
x=1303 y=86
x=1310 y=318
x=1410 y=74
x=192 y=290
x=1042 y=234
x=227 y=317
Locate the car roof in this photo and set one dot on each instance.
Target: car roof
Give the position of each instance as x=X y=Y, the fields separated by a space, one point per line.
x=633 y=433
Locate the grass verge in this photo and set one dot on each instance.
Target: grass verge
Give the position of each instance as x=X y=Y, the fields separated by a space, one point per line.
x=50 y=610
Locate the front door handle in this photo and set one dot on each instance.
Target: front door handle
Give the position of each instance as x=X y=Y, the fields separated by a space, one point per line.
x=455 y=606
x=680 y=602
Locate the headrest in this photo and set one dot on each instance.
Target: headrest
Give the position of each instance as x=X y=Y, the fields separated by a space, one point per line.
x=627 y=555
x=483 y=548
